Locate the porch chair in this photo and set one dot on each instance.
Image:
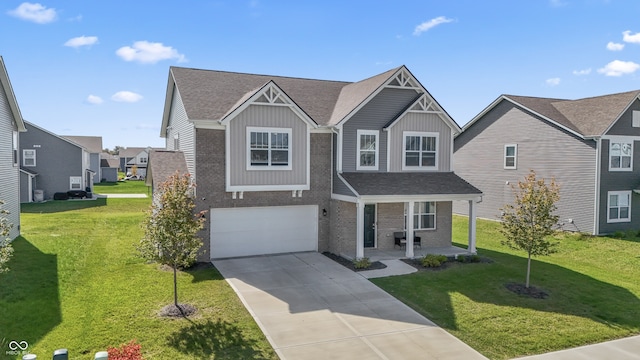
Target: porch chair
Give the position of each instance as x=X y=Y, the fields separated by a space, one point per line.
x=400 y=240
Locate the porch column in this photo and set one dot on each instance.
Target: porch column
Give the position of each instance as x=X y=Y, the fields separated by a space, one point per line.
x=472 y=226
x=359 y=230
x=409 y=243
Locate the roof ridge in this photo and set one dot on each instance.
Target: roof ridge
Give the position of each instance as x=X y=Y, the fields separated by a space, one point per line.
x=265 y=75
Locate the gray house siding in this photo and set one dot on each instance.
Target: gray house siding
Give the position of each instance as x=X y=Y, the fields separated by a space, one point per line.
x=623 y=126
x=550 y=151
x=270 y=117
x=9 y=181
x=378 y=112
x=619 y=181
x=420 y=122
x=180 y=126
x=211 y=184
x=56 y=160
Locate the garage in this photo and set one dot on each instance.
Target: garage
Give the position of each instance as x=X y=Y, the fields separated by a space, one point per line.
x=263 y=230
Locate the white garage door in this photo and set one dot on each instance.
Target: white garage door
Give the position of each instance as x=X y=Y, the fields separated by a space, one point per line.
x=263 y=230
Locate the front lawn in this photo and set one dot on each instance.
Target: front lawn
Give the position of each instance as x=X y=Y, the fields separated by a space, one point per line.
x=593 y=285
x=77 y=283
x=122 y=187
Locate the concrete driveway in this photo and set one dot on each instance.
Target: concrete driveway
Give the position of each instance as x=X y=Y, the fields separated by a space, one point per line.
x=310 y=307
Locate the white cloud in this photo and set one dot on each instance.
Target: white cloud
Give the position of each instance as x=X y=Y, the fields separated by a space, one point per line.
x=619 y=68
x=553 y=81
x=126 y=96
x=95 y=100
x=427 y=25
x=582 y=72
x=34 y=12
x=627 y=36
x=76 y=42
x=614 y=46
x=149 y=53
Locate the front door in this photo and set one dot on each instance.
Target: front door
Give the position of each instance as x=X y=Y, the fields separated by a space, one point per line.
x=369 y=225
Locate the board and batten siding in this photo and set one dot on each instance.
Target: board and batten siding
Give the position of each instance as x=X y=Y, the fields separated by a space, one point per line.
x=269 y=117
x=547 y=149
x=378 y=112
x=420 y=122
x=10 y=179
x=181 y=126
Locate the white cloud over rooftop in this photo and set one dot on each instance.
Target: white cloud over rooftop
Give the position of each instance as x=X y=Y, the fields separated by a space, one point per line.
x=149 y=52
x=427 y=25
x=126 y=96
x=79 y=41
x=619 y=68
x=34 y=12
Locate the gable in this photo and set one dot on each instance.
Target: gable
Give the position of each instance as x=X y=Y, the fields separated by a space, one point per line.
x=624 y=124
x=10 y=97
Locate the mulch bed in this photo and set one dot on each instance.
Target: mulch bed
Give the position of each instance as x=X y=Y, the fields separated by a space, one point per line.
x=416 y=263
x=171 y=311
x=531 y=291
x=376 y=265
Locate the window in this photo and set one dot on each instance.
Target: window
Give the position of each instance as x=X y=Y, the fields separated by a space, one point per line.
x=420 y=151
x=635 y=118
x=424 y=216
x=269 y=149
x=143 y=160
x=75 y=182
x=620 y=155
x=176 y=142
x=28 y=157
x=619 y=206
x=367 y=145
x=510 y=156
x=15 y=148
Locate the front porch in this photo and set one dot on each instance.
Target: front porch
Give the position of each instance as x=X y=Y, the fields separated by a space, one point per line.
x=392 y=254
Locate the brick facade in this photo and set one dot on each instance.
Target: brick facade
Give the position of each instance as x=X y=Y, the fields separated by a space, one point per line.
x=210 y=170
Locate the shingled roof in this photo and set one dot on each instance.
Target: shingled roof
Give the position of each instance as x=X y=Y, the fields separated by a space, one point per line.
x=163 y=164
x=409 y=183
x=588 y=117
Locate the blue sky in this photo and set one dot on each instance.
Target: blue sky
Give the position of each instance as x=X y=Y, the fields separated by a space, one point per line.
x=100 y=67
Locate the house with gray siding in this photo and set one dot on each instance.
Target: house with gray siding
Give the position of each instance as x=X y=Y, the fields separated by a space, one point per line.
x=290 y=164
x=51 y=164
x=588 y=146
x=93 y=145
x=11 y=125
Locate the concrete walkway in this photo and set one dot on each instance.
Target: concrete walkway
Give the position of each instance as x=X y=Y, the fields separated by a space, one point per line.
x=627 y=349
x=122 y=196
x=394 y=267
x=310 y=307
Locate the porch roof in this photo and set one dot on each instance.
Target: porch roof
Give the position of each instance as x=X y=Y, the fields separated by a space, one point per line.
x=409 y=183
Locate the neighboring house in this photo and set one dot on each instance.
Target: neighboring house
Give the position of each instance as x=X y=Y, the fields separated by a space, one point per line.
x=126 y=155
x=109 y=167
x=288 y=164
x=93 y=144
x=588 y=145
x=140 y=161
x=51 y=164
x=11 y=124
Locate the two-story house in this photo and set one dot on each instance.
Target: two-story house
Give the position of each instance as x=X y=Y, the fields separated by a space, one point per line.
x=289 y=164
x=51 y=164
x=11 y=124
x=588 y=145
x=93 y=145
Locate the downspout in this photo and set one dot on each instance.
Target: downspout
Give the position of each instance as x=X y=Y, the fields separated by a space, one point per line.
x=596 y=210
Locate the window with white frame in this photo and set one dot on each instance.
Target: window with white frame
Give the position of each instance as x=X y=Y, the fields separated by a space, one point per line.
x=143 y=160
x=635 y=118
x=420 y=151
x=424 y=216
x=176 y=142
x=510 y=156
x=620 y=155
x=268 y=148
x=75 y=182
x=619 y=206
x=29 y=157
x=15 y=148
x=367 y=153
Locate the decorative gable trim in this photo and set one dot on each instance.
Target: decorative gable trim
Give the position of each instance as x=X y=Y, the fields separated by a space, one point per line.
x=425 y=104
x=270 y=95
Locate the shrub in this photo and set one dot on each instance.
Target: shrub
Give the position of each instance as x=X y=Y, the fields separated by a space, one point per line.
x=362 y=263
x=469 y=258
x=431 y=260
x=618 y=235
x=130 y=351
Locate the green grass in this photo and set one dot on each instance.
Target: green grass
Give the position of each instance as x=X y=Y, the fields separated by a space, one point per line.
x=593 y=285
x=122 y=187
x=76 y=282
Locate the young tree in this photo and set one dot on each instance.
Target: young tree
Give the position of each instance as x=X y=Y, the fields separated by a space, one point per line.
x=529 y=221
x=5 y=245
x=170 y=227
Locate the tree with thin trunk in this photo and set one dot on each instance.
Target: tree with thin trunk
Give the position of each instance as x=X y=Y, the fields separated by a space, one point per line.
x=528 y=222
x=171 y=227
x=5 y=243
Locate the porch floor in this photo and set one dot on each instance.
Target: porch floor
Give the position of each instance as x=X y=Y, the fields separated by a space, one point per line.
x=391 y=254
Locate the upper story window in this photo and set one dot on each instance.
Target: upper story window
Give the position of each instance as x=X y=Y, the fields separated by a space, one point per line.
x=367 y=145
x=619 y=206
x=15 y=148
x=510 y=156
x=143 y=160
x=420 y=151
x=268 y=148
x=176 y=142
x=29 y=157
x=620 y=155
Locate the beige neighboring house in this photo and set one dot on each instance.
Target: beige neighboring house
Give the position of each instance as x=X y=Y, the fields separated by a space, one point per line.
x=11 y=123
